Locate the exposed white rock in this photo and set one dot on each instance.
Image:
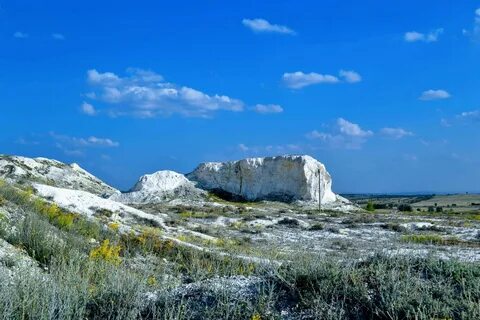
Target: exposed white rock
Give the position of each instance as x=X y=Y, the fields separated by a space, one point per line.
x=283 y=178
x=88 y=204
x=158 y=187
x=52 y=172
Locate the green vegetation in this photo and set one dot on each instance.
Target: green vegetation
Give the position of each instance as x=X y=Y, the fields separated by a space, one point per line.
x=431 y=239
x=370 y=207
x=144 y=275
x=405 y=208
x=385 y=288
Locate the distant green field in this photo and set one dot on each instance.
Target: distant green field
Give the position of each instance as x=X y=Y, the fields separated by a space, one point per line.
x=451 y=202
x=459 y=200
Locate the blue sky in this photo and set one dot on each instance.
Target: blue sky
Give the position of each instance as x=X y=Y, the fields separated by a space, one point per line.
x=386 y=96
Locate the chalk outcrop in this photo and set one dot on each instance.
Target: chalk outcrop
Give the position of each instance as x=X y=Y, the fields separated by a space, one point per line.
x=161 y=186
x=52 y=172
x=282 y=178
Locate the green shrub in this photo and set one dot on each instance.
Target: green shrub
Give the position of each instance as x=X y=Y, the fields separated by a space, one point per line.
x=3 y=226
x=370 y=207
x=383 y=288
x=405 y=208
x=38 y=238
x=430 y=239
x=317 y=226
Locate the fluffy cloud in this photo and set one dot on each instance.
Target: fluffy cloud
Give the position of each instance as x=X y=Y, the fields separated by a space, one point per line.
x=395 y=133
x=299 y=79
x=88 y=109
x=350 y=76
x=352 y=129
x=346 y=134
x=434 y=95
x=262 y=25
x=58 y=36
x=268 y=108
x=414 y=36
x=20 y=35
x=146 y=94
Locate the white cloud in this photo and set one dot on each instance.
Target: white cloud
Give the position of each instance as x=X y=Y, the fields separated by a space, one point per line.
x=103 y=142
x=145 y=94
x=346 y=135
x=20 y=35
x=445 y=123
x=297 y=80
x=268 y=108
x=243 y=147
x=269 y=149
x=74 y=142
x=475 y=33
x=395 y=133
x=262 y=25
x=414 y=36
x=88 y=109
x=472 y=115
x=352 y=129
x=350 y=76
x=58 y=36
x=434 y=95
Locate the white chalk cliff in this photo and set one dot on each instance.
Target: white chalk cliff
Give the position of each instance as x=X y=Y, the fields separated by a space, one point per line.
x=160 y=186
x=281 y=178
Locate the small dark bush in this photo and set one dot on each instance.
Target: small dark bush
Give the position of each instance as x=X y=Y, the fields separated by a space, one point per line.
x=405 y=208
x=316 y=226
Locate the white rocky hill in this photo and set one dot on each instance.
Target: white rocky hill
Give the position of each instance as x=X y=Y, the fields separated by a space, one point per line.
x=281 y=178
x=160 y=186
x=89 y=204
x=51 y=172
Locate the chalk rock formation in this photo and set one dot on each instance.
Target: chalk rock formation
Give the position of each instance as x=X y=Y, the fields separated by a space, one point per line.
x=158 y=187
x=52 y=172
x=282 y=178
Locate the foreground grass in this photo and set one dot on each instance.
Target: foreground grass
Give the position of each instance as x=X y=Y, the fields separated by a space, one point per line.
x=102 y=280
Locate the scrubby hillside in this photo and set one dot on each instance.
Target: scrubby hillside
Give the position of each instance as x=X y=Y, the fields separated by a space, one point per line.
x=51 y=172
x=61 y=259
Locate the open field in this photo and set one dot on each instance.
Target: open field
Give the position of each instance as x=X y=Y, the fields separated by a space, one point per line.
x=234 y=260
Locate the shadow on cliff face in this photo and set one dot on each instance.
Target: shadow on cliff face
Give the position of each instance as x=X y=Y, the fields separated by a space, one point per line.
x=228 y=196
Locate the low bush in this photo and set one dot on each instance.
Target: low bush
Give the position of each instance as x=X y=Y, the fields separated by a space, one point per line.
x=317 y=226
x=430 y=239
x=107 y=252
x=384 y=288
x=38 y=238
x=370 y=206
x=405 y=208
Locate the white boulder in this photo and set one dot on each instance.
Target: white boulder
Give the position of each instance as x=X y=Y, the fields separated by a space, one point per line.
x=158 y=187
x=281 y=178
